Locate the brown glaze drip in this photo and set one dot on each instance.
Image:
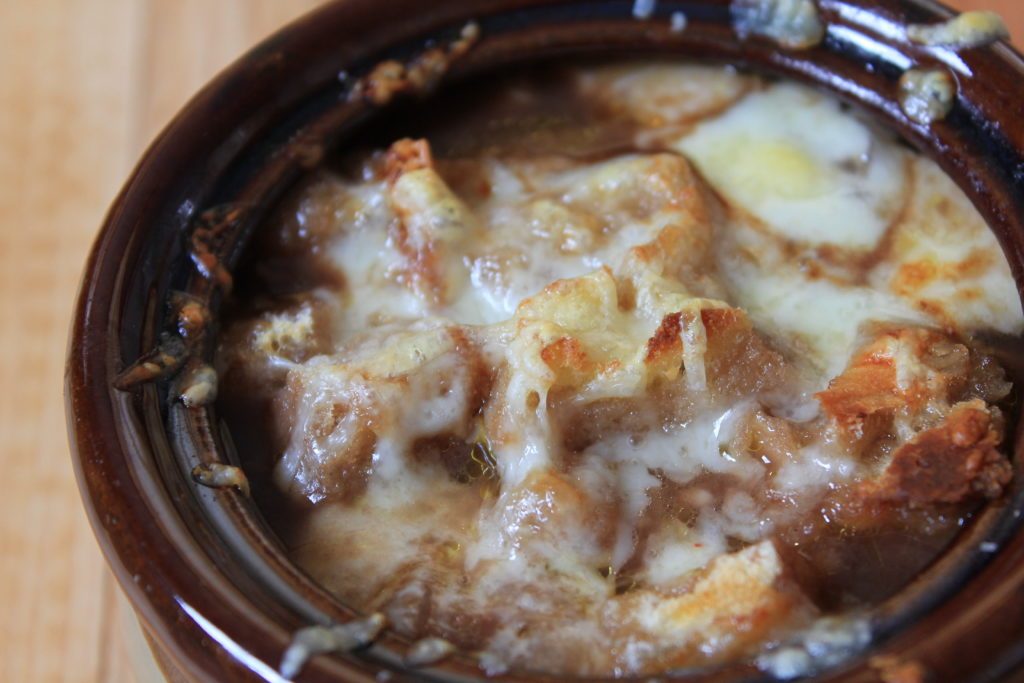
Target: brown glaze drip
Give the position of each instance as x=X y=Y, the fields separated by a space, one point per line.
x=192 y=320
x=207 y=238
x=163 y=361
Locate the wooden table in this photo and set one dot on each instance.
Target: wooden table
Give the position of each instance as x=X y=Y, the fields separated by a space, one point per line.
x=84 y=85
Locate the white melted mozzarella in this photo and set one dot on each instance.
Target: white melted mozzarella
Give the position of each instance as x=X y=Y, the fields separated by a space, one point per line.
x=816 y=319
x=796 y=161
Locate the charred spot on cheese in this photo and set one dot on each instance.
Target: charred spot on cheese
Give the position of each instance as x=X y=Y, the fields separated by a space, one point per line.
x=927 y=95
x=700 y=392
x=966 y=30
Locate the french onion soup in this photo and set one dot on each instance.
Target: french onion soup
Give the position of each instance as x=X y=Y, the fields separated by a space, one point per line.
x=615 y=369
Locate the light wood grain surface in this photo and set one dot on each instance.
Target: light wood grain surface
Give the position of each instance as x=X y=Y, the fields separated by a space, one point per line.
x=84 y=86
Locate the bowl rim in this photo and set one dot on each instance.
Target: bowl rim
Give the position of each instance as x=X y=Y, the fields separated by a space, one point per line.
x=171 y=564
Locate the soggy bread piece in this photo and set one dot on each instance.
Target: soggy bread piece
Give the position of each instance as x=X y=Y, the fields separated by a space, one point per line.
x=900 y=379
x=955 y=461
x=733 y=605
x=916 y=390
x=381 y=398
x=432 y=222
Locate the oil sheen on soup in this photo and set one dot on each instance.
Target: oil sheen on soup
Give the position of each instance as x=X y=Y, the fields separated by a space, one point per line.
x=623 y=368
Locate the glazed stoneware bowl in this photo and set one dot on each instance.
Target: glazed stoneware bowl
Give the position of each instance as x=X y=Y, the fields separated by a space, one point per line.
x=215 y=594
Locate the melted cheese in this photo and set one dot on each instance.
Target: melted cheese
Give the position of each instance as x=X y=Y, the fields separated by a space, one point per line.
x=815 y=179
x=664 y=93
x=809 y=171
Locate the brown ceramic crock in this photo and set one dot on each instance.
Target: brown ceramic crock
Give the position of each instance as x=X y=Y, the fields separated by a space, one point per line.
x=214 y=593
